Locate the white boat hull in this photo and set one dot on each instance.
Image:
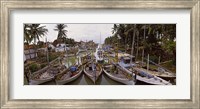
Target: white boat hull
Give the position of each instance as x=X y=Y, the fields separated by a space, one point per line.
x=154 y=81
x=124 y=81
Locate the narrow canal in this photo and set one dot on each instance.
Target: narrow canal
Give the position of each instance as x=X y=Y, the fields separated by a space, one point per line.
x=83 y=79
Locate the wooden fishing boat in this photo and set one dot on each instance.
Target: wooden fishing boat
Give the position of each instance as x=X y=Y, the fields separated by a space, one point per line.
x=161 y=73
x=142 y=75
x=116 y=73
x=46 y=74
x=86 y=58
x=93 y=71
x=99 y=54
x=69 y=75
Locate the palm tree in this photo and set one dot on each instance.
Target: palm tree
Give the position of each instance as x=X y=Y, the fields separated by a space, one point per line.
x=115 y=28
x=62 y=32
x=119 y=30
x=27 y=36
x=133 y=42
x=37 y=31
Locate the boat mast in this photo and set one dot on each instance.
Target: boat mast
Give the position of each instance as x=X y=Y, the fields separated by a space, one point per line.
x=100 y=37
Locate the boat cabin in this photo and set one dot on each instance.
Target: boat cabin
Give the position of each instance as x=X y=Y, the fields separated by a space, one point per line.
x=100 y=54
x=125 y=61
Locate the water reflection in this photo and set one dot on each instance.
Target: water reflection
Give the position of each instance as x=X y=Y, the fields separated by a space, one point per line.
x=83 y=79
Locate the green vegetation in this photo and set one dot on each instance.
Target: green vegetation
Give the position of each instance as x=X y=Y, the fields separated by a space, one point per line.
x=157 y=40
x=72 y=59
x=33 y=32
x=34 y=67
x=169 y=65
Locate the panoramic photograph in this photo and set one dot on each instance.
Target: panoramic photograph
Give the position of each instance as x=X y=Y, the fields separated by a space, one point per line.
x=99 y=54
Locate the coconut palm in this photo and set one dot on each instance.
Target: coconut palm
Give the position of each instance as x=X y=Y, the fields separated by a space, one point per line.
x=33 y=32
x=62 y=32
x=27 y=35
x=38 y=31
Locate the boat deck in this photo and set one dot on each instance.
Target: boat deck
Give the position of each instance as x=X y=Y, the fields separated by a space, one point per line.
x=156 y=73
x=117 y=73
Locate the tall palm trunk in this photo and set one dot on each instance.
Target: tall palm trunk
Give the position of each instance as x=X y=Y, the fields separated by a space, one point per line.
x=133 y=42
x=143 y=47
x=137 y=47
x=35 y=47
x=28 y=50
x=125 y=43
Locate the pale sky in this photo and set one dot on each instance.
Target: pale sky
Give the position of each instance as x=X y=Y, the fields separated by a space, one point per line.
x=81 y=32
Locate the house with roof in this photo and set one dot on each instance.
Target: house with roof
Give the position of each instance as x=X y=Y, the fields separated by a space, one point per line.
x=29 y=52
x=61 y=47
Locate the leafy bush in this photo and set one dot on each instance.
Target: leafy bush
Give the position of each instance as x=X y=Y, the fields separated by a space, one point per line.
x=52 y=57
x=43 y=65
x=153 y=58
x=34 y=67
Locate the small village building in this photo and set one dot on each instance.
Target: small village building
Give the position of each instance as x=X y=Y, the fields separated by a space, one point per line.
x=61 y=48
x=29 y=52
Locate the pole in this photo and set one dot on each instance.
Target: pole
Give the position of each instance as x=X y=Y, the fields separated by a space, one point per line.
x=47 y=52
x=143 y=46
x=148 y=63
x=132 y=49
x=100 y=37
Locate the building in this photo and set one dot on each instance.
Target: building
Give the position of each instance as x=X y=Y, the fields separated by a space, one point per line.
x=29 y=52
x=61 y=47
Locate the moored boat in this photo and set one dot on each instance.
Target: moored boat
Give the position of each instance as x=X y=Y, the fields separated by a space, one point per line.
x=116 y=73
x=160 y=72
x=99 y=54
x=44 y=75
x=69 y=75
x=142 y=75
x=93 y=71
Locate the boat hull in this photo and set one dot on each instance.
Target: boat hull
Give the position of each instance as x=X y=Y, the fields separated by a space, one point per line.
x=153 y=81
x=91 y=77
x=61 y=82
x=39 y=81
x=123 y=81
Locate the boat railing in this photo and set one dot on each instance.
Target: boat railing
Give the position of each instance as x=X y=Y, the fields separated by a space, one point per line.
x=159 y=66
x=43 y=69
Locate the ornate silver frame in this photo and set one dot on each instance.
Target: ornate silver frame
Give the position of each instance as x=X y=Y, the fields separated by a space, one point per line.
x=8 y=5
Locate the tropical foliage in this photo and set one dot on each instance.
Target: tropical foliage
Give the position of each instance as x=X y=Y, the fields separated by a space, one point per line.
x=33 y=32
x=62 y=32
x=157 y=40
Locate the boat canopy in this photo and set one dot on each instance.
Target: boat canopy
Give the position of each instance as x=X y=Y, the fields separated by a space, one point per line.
x=73 y=69
x=142 y=73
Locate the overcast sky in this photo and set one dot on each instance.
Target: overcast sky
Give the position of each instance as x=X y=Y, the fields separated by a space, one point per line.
x=82 y=32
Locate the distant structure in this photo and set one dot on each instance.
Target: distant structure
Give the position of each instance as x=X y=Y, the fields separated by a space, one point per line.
x=29 y=52
x=61 y=47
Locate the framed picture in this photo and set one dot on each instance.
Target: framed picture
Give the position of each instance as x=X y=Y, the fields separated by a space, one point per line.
x=99 y=54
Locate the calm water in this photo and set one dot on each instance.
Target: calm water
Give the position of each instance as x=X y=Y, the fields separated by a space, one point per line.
x=83 y=79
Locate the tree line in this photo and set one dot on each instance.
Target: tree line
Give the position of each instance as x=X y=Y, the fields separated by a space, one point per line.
x=157 y=40
x=34 y=32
